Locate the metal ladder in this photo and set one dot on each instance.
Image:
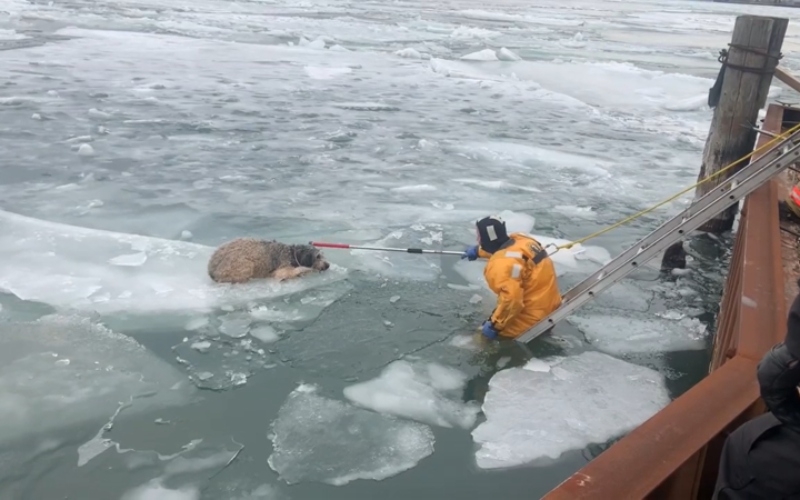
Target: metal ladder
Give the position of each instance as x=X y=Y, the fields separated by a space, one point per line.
x=739 y=185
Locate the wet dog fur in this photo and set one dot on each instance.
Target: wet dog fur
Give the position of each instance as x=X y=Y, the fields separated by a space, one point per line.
x=245 y=259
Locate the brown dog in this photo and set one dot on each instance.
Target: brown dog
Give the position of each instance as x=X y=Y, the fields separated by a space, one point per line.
x=245 y=259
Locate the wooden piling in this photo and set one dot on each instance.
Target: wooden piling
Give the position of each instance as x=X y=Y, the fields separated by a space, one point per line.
x=751 y=60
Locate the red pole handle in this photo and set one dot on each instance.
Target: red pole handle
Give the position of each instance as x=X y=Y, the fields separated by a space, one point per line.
x=329 y=245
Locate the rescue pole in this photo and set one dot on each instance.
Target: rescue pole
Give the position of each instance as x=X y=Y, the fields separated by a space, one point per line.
x=346 y=246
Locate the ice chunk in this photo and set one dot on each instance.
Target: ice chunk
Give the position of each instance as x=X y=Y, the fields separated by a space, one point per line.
x=418 y=392
x=235 y=325
x=625 y=334
x=416 y=188
x=394 y=298
x=317 y=44
x=197 y=323
x=104 y=368
x=158 y=492
x=408 y=53
x=68 y=267
x=265 y=334
x=517 y=222
x=325 y=73
x=468 y=342
x=243 y=489
x=202 y=346
x=579 y=400
x=133 y=259
x=575 y=212
x=186 y=235
x=86 y=150
x=467 y=32
x=499 y=185
x=36 y=116
x=505 y=54
x=320 y=439
x=186 y=469
x=220 y=363
x=482 y=55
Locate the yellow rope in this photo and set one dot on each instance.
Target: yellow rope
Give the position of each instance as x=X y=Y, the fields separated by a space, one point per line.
x=635 y=216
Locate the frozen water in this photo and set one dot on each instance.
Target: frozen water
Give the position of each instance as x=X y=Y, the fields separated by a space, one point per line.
x=543 y=411
x=617 y=334
x=158 y=492
x=103 y=368
x=186 y=469
x=235 y=325
x=301 y=121
x=265 y=334
x=422 y=392
x=320 y=439
x=483 y=55
x=409 y=53
x=86 y=150
x=245 y=489
x=219 y=362
x=505 y=54
x=49 y=262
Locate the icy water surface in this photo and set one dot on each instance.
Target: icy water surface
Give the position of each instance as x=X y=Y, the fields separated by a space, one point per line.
x=137 y=136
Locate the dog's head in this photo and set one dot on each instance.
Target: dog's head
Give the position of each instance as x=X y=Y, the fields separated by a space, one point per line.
x=309 y=256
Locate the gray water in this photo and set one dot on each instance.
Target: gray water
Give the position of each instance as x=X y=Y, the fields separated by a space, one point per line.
x=137 y=136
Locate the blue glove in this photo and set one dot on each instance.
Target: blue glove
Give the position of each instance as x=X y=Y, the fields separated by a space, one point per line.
x=488 y=330
x=470 y=253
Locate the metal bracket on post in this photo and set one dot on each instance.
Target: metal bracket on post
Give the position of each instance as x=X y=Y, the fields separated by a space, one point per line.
x=739 y=185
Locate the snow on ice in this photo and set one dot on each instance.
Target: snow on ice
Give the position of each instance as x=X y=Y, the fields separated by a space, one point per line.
x=50 y=262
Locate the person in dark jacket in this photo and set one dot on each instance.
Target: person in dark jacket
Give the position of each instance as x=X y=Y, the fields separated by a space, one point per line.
x=761 y=459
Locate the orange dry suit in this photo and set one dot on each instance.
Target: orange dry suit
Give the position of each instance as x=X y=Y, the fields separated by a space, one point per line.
x=527 y=291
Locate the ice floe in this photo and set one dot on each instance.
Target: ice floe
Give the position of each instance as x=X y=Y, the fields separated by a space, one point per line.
x=316 y=438
x=552 y=406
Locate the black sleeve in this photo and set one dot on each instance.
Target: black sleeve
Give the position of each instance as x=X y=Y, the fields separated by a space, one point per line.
x=792 y=340
x=778 y=376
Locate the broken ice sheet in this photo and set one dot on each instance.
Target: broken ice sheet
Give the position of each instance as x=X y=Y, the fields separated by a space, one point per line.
x=639 y=332
x=320 y=439
x=104 y=368
x=220 y=362
x=185 y=471
x=426 y=392
x=563 y=404
x=48 y=262
x=244 y=489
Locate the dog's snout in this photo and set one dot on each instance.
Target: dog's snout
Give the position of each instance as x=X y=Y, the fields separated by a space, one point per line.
x=325 y=266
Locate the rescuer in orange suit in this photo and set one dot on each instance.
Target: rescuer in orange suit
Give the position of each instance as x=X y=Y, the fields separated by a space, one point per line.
x=522 y=275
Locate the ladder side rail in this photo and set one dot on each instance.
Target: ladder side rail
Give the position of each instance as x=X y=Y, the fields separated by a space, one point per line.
x=773 y=155
x=618 y=268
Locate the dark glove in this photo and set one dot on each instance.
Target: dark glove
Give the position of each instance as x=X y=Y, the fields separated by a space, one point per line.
x=488 y=330
x=778 y=377
x=470 y=253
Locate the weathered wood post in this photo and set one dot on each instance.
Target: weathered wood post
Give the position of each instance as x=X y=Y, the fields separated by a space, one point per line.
x=737 y=96
x=751 y=60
